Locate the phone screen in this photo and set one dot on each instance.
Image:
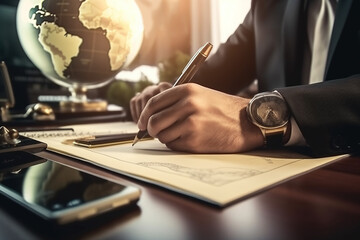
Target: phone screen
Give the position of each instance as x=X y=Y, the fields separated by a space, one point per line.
x=59 y=192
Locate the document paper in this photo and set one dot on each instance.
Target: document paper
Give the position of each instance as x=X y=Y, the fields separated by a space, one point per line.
x=219 y=179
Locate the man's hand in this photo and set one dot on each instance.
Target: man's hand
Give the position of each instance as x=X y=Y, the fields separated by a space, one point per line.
x=137 y=103
x=193 y=118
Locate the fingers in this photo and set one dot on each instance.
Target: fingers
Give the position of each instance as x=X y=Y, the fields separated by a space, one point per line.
x=138 y=102
x=196 y=119
x=182 y=135
x=164 y=85
x=133 y=107
x=163 y=107
x=178 y=130
x=166 y=118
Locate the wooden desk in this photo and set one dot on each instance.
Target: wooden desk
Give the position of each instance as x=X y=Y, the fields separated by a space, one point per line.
x=323 y=204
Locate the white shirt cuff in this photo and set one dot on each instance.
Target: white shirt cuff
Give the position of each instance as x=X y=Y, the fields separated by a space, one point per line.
x=296 y=137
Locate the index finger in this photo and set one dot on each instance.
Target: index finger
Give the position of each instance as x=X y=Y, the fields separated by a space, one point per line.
x=159 y=102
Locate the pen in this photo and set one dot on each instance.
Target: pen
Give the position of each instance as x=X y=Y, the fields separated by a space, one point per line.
x=187 y=74
x=46 y=129
x=104 y=140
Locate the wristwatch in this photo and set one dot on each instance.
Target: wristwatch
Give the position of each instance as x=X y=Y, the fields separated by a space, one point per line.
x=269 y=112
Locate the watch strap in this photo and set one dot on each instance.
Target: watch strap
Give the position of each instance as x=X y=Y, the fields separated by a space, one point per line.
x=274 y=140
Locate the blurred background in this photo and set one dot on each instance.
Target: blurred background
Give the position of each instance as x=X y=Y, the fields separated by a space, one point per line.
x=173 y=31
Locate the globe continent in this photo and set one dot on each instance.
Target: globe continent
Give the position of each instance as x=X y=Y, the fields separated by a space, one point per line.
x=80 y=43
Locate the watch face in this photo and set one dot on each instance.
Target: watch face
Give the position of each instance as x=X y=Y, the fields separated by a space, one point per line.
x=269 y=111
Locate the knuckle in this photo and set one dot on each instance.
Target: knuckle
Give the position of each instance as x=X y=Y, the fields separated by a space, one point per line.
x=148 y=89
x=190 y=103
x=133 y=101
x=193 y=124
x=153 y=123
x=142 y=103
x=164 y=85
x=190 y=88
x=151 y=102
x=190 y=122
x=194 y=127
x=148 y=95
x=152 y=120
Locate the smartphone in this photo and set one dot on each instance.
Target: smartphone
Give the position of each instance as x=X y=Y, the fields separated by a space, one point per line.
x=59 y=193
x=25 y=144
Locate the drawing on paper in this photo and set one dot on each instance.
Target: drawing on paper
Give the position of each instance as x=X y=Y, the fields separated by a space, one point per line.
x=216 y=177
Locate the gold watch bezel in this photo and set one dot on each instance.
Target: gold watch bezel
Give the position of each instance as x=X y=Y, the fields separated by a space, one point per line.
x=277 y=123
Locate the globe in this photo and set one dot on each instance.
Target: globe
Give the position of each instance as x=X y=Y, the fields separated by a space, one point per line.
x=80 y=44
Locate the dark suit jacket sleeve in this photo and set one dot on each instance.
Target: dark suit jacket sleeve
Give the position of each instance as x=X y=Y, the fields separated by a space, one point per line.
x=328 y=114
x=232 y=66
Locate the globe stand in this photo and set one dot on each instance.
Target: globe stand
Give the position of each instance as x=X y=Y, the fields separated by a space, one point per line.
x=78 y=102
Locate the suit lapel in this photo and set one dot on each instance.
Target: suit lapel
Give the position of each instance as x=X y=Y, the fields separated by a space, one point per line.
x=341 y=15
x=293 y=39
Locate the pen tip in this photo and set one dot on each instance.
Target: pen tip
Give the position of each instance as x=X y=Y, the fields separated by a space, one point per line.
x=136 y=139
